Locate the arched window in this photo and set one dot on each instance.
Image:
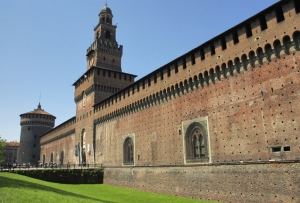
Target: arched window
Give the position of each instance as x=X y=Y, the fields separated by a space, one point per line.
x=196 y=143
x=128 y=152
x=51 y=157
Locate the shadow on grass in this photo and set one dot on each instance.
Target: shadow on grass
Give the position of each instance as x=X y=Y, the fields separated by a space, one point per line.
x=14 y=183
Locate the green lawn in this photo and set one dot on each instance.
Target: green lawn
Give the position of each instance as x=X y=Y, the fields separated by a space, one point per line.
x=16 y=188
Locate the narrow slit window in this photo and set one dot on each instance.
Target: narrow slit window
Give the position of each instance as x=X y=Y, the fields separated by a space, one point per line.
x=263 y=23
x=248 y=30
x=212 y=49
x=202 y=54
x=223 y=43
x=161 y=74
x=176 y=67
x=183 y=63
x=297 y=6
x=279 y=15
x=235 y=38
x=193 y=59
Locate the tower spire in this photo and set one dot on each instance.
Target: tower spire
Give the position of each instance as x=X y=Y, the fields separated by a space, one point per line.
x=39 y=106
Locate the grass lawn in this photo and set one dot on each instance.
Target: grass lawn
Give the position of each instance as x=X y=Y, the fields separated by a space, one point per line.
x=16 y=188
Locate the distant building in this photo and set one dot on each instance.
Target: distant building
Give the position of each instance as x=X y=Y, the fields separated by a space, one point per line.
x=10 y=151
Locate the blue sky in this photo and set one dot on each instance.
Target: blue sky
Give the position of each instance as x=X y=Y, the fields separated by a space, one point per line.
x=43 y=45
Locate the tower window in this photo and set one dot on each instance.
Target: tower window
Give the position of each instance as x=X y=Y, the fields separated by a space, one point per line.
x=107 y=34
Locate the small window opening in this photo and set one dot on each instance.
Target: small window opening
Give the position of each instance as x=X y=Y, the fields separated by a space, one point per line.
x=279 y=15
x=193 y=59
x=276 y=149
x=169 y=71
x=248 y=30
x=107 y=34
x=235 y=37
x=297 y=6
x=263 y=23
x=287 y=148
x=183 y=63
x=176 y=67
x=161 y=75
x=202 y=54
x=212 y=49
x=223 y=43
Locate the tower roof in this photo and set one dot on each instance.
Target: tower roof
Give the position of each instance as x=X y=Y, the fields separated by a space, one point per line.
x=106 y=9
x=39 y=110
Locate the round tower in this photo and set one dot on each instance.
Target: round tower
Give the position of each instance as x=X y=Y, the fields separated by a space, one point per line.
x=33 y=125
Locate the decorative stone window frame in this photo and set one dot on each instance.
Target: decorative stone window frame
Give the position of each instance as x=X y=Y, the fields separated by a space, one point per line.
x=199 y=127
x=126 y=160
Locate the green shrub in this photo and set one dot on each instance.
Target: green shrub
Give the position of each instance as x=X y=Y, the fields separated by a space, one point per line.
x=74 y=176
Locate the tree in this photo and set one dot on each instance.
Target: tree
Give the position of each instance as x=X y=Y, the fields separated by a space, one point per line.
x=2 y=146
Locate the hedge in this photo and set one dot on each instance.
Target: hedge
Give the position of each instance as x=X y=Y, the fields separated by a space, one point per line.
x=69 y=176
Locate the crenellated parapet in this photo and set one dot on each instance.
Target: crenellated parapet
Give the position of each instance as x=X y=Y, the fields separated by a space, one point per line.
x=106 y=46
x=65 y=129
x=265 y=37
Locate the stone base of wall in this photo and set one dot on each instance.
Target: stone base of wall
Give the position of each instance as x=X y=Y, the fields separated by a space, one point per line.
x=272 y=182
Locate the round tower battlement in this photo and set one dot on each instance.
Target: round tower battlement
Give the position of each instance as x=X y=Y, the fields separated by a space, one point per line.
x=37 y=117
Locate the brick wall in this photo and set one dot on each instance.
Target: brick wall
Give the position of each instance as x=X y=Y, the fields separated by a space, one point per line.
x=225 y=183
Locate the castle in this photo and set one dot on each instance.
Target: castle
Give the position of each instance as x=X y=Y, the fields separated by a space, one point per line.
x=219 y=123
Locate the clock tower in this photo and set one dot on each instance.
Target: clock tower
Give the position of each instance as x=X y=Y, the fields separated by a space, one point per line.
x=105 y=51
